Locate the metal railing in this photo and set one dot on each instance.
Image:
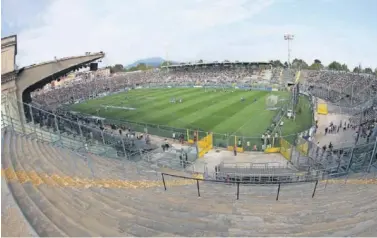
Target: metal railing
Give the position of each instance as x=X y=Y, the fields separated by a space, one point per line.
x=90 y=131
x=248 y=143
x=57 y=129
x=237 y=183
x=275 y=165
x=250 y=188
x=78 y=135
x=88 y=138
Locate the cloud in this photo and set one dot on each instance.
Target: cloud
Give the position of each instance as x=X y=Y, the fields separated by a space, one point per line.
x=128 y=30
x=17 y=17
x=183 y=30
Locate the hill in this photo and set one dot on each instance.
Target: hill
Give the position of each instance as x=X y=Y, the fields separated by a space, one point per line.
x=153 y=61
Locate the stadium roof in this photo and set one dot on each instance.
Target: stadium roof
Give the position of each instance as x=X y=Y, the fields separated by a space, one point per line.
x=217 y=63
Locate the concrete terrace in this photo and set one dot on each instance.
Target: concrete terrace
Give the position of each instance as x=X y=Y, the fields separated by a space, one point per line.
x=59 y=194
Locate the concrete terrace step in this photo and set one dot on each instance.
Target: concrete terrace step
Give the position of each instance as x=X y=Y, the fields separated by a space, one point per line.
x=204 y=210
x=56 y=193
x=42 y=225
x=57 y=209
x=109 y=212
x=13 y=222
x=148 y=216
x=88 y=213
x=74 y=211
x=50 y=209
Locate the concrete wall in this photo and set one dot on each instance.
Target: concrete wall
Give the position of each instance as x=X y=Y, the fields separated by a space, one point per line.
x=8 y=54
x=9 y=89
x=9 y=105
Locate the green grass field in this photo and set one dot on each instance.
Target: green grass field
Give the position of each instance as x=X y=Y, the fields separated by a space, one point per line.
x=219 y=112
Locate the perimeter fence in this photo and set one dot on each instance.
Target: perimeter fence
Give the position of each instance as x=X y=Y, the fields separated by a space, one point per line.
x=220 y=140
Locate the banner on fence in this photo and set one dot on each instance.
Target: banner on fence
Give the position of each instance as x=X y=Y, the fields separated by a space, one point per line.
x=272 y=150
x=285 y=149
x=303 y=146
x=239 y=149
x=298 y=76
x=205 y=145
x=322 y=109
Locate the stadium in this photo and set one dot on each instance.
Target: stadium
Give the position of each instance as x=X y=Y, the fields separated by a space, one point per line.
x=191 y=149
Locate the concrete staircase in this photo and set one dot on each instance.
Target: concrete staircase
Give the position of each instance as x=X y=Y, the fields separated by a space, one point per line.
x=54 y=209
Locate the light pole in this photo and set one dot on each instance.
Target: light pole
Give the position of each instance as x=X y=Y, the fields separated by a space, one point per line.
x=289 y=38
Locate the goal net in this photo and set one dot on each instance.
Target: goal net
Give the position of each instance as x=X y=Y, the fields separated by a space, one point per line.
x=272 y=102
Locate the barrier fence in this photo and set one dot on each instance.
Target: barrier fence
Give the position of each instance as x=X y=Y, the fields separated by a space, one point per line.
x=83 y=136
x=205 y=145
x=286 y=149
x=344 y=110
x=226 y=140
x=300 y=152
x=359 y=158
x=83 y=133
x=77 y=134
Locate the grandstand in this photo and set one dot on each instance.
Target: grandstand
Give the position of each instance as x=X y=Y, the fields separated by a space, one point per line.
x=348 y=99
x=72 y=174
x=341 y=88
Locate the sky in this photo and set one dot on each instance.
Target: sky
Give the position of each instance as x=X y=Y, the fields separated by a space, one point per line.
x=189 y=30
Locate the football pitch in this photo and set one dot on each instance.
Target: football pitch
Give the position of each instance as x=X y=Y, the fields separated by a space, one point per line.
x=208 y=110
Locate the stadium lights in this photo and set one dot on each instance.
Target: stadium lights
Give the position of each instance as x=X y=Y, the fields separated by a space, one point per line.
x=289 y=38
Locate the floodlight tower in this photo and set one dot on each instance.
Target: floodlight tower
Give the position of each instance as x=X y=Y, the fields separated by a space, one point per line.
x=289 y=38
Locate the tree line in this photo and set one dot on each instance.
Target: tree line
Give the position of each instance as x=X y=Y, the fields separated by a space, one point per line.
x=317 y=65
x=120 y=68
x=296 y=64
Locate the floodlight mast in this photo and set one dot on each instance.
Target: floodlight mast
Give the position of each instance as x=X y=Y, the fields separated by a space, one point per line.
x=289 y=38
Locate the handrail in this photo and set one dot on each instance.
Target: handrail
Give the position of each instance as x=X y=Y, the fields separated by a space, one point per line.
x=241 y=182
x=229 y=182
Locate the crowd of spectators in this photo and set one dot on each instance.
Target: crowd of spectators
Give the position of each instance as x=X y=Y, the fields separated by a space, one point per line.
x=346 y=89
x=275 y=75
x=93 y=87
x=342 y=88
x=335 y=156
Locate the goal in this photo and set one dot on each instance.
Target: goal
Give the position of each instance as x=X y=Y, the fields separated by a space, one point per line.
x=272 y=102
